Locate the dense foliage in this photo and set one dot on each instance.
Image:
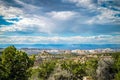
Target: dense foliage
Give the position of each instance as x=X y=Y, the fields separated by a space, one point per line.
x=116 y=57
x=78 y=69
x=45 y=69
x=15 y=65
x=90 y=67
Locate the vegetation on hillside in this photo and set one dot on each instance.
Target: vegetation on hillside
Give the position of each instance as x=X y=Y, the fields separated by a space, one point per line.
x=78 y=69
x=17 y=65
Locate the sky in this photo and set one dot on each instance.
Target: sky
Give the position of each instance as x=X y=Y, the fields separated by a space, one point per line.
x=59 y=21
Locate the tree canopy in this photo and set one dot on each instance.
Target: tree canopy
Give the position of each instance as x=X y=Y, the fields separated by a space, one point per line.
x=16 y=64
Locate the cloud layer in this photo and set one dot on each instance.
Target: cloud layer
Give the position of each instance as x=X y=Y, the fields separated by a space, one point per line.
x=79 y=19
x=60 y=40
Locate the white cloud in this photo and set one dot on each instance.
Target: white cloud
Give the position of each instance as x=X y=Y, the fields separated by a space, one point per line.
x=13 y=12
x=105 y=16
x=10 y=12
x=62 y=15
x=35 y=23
x=83 y=3
x=27 y=21
x=58 y=39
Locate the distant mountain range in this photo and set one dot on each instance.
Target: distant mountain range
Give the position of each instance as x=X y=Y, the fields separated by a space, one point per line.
x=64 y=46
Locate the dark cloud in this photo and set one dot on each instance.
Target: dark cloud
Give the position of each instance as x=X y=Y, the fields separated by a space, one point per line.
x=12 y=3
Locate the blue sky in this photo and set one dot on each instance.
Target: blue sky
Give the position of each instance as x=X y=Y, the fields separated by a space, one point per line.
x=59 y=21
